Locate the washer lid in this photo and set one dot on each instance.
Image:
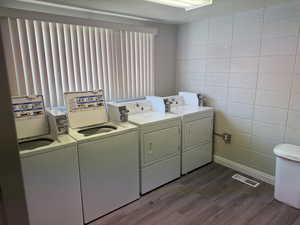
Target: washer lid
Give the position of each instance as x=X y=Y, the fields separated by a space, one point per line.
x=151 y=117
x=287 y=151
x=85 y=108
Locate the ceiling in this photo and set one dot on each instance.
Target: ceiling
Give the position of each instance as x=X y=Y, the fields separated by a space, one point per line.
x=162 y=13
x=168 y=14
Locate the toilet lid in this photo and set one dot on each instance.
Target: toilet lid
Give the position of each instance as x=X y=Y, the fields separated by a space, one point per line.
x=287 y=151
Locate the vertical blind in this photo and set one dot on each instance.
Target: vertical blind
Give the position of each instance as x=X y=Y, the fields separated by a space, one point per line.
x=52 y=58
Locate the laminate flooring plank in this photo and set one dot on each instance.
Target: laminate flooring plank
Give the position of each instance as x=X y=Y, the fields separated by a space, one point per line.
x=207 y=196
x=142 y=205
x=286 y=215
x=262 y=195
x=297 y=221
x=267 y=214
x=233 y=205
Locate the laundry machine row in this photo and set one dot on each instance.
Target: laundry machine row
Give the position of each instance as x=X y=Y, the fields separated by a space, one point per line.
x=159 y=143
x=175 y=136
x=76 y=166
x=49 y=162
x=108 y=155
x=196 y=126
x=80 y=165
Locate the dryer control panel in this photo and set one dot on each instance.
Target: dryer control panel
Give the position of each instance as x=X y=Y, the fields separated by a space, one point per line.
x=138 y=107
x=175 y=100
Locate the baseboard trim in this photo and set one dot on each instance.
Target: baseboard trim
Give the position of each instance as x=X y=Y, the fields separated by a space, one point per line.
x=245 y=169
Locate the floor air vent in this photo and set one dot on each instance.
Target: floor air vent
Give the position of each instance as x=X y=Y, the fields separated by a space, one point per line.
x=245 y=180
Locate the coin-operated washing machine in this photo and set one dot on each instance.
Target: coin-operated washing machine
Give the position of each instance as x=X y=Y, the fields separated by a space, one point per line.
x=196 y=124
x=108 y=155
x=159 y=142
x=49 y=164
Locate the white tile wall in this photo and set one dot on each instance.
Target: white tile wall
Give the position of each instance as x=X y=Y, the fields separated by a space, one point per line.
x=218 y=65
x=243 y=111
x=279 y=45
x=296 y=84
x=268 y=131
x=248 y=25
x=244 y=65
x=191 y=66
x=297 y=67
x=293 y=119
x=241 y=95
x=282 y=11
x=270 y=115
x=250 y=61
x=238 y=125
x=264 y=146
x=220 y=29
x=217 y=79
x=292 y=136
x=218 y=94
x=243 y=80
x=295 y=102
x=218 y=50
x=277 y=64
x=276 y=28
x=275 y=82
x=245 y=48
x=272 y=98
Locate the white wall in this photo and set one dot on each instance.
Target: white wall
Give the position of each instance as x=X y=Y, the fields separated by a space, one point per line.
x=165 y=60
x=248 y=66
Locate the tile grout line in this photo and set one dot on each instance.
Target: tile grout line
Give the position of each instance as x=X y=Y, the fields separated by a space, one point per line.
x=230 y=60
x=258 y=69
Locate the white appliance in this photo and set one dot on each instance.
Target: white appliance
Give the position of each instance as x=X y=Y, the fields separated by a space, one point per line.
x=159 y=144
x=196 y=124
x=117 y=112
x=287 y=173
x=49 y=165
x=108 y=155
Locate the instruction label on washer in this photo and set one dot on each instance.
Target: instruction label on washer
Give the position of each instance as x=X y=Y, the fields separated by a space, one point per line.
x=85 y=101
x=30 y=116
x=85 y=108
x=26 y=108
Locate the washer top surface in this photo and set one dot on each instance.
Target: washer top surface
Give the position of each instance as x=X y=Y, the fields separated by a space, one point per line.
x=287 y=151
x=183 y=110
x=100 y=131
x=44 y=144
x=150 y=117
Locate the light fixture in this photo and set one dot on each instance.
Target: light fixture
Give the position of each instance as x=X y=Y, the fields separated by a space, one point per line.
x=76 y=8
x=186 y=4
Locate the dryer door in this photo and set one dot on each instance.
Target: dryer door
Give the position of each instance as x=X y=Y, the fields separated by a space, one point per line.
x=197 y=132
x=160 y=144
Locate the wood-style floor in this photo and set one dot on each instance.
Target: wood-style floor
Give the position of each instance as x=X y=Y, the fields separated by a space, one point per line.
x=208 y=196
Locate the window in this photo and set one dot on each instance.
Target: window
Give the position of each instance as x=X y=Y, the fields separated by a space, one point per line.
x=52 y=58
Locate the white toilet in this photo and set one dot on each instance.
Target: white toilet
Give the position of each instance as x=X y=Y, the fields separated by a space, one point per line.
x=287 y=182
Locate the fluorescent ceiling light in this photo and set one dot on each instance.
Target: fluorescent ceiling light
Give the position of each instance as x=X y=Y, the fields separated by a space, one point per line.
x=186 y=4
x=76 y=8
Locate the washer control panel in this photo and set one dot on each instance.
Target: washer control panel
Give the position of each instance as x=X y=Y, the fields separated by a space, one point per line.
x=30 y=116
x=86 y=102
x=86 y=108
x=28 y=107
